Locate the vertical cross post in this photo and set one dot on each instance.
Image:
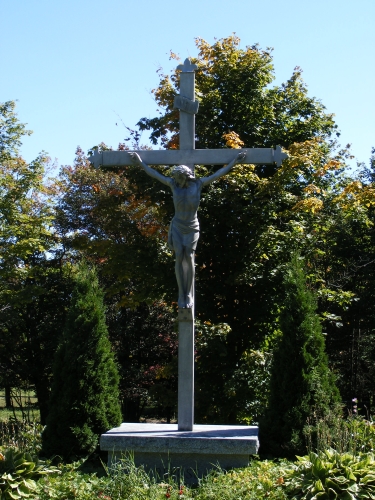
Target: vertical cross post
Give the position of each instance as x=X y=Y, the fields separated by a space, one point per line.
x=185 y=369
x=187 y=105
x=185 y=102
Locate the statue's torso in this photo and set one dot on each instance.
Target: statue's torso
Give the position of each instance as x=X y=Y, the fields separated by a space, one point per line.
x=186 y=200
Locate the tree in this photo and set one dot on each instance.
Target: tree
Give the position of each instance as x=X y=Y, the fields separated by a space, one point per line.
x=84 y=399
x=249 y=218
x=30 y=327
x=232 y=85
x=102 y=214
x=31 y=277
x=301 y=383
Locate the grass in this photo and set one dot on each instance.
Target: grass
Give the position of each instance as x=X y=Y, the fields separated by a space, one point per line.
x=18 y=415
x=19 y=398
x=24 y=406
x=257 y=481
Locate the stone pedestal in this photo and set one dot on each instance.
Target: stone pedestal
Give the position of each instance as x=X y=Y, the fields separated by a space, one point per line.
x=163 y=449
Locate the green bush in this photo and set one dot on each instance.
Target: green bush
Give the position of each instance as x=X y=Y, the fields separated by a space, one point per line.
x=85 y=398
x=330 y=475
x=301 y=383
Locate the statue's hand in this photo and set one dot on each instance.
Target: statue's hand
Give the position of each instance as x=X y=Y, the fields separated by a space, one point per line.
x=136 y=159
x=240 y=156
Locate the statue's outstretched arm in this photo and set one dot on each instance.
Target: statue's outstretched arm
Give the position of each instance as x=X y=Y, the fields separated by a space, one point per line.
x=224 y=170
x=150 y=171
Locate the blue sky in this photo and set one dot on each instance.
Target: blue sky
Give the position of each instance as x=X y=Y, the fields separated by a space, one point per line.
x=75 y=67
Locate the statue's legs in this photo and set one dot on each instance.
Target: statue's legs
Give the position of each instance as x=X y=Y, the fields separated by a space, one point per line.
x=189 y=275
x=185 y=270
x=180 y=279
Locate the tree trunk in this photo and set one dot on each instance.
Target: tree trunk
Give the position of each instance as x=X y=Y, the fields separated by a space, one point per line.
x=8 y=397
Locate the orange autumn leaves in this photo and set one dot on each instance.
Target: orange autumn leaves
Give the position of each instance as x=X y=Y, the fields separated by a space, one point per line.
x=141 y=211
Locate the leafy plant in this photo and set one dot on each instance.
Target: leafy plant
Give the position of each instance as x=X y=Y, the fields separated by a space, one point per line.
x=331 y=475
x=71 y=483
x=19 y=471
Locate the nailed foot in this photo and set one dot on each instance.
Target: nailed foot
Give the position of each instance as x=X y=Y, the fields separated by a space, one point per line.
x=189 y=302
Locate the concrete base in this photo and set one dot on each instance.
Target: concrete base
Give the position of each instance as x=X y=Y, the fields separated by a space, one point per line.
x=162 y=449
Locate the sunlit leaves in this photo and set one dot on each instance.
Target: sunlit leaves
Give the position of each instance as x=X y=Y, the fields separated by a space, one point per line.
x=234 y=93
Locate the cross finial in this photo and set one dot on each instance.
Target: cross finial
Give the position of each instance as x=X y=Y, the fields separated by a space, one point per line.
x=187 y=67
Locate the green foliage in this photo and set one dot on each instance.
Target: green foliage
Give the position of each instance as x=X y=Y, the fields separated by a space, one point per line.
x=71 y=483
x=331 y=475
x=258 y=480
x=11 y=131
x=248 y=388
x=146 y=345
x=18 y=472
x=254 y=218
x=32 y=281
x=245 y=387
x=21 y=435
x=301 y=383
x=25 y=209
x=352 y=435
x=211 y=342
x=251 y=222
x=110 y=217
x=31 y=327
x=84 y=399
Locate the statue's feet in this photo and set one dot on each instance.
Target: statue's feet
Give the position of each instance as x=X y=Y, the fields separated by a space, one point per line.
x=189 y=302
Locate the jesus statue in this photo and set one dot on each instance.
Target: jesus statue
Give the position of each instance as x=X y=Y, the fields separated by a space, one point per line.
x=184 y=228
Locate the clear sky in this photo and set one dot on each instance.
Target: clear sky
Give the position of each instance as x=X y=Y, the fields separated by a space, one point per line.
x=75 y=67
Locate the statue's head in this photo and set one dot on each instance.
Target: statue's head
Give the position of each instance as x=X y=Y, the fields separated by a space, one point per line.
x=182 y=170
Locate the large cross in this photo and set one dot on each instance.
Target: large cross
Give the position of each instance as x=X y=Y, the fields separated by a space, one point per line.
x=188 y=155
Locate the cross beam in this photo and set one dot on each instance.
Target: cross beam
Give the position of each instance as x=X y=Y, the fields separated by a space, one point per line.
x=255 y=156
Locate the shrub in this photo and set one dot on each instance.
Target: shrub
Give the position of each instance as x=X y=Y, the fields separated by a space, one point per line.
x=301 y=383
x=84 y=401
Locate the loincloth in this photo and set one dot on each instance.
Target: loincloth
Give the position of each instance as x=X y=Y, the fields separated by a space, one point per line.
x=184 y=232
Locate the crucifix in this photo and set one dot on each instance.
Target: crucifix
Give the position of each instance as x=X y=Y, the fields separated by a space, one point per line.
x=184 y=228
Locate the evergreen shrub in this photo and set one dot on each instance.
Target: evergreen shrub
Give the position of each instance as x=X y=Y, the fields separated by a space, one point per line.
x=301 y=383
x=84 y=398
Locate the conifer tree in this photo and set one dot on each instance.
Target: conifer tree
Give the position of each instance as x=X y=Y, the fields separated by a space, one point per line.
x=84 y=399
x=301 y=385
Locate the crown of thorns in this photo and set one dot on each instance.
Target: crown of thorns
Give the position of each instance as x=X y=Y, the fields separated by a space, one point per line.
x=182 y=169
